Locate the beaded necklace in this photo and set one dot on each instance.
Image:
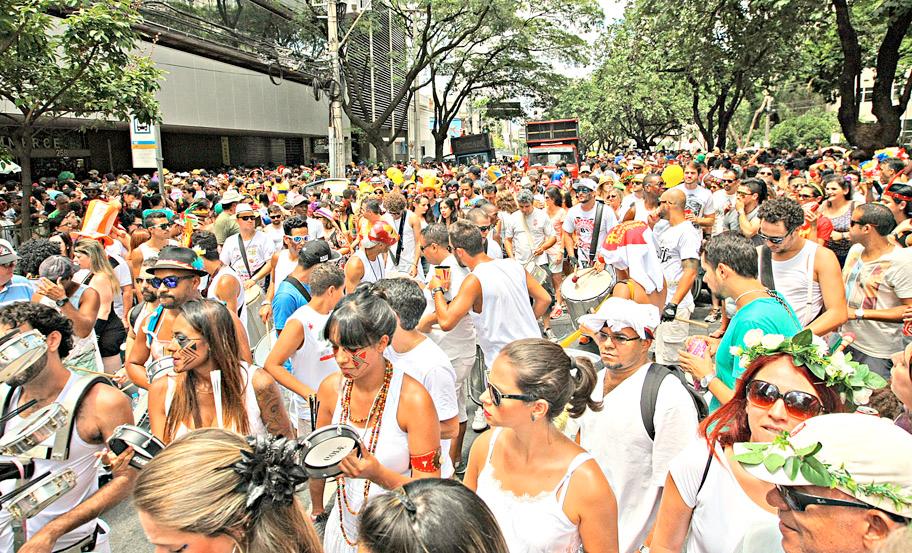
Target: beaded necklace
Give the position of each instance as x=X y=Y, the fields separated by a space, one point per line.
x=375 y=413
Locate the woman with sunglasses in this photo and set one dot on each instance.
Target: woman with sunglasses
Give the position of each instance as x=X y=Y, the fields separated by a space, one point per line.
x=545 y=491
x=333 y=233
x=613 y=198
x=816 y=226
x=707 y=495
x=391 y=411
x=211 y=386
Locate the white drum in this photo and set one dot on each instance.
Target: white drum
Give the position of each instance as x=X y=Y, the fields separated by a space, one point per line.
x=325 y=447
x=20 y=352
x=38 y=427
x=41 y=493
x=263 y=347
x=253 y=297
x=584 y=290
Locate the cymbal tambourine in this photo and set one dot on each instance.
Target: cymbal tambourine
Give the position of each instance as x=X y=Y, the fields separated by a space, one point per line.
x=325 y=447
x=39 y=493
x=145 y=444
x=19 y=352
x=38 y=427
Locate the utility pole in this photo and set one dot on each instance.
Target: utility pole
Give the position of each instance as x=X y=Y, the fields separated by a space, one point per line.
x=336 y=140
x=766 y=125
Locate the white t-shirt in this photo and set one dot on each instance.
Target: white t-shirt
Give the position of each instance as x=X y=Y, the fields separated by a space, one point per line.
x=699 y=200
x=314 y=229
x=722 y=512
x=540 y=228
x=582 y=223
x=429 y=365
x=493 y=249
x=674 y=244
x=723 y=203
x=635 y=466
x=276 y=233
x=259 y=250
x=458 y=343
x=315 y=360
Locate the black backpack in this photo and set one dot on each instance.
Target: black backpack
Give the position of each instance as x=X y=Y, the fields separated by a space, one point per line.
x=654 y=377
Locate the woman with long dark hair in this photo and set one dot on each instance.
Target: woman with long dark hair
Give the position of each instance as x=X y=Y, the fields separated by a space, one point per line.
x=545 y=491
x=448 y=211
x=898 y=197
x=211 y=386
x=707 y=494
x=838 y=209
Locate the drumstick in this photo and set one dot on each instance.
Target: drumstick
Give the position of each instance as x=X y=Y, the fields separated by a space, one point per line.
x=578 y=274
x=17 y=410
x=96 y=373
x=690 y=321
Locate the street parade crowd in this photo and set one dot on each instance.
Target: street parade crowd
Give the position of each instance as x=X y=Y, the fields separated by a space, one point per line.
x=271 y=360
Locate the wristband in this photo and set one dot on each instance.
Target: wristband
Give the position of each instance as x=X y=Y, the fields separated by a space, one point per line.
x=438 y=289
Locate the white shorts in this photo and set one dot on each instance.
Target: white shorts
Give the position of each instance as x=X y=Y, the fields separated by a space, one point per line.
x=463 y=368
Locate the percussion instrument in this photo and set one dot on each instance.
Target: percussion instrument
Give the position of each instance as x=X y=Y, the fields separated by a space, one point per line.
x=41 y=425
x=325 y=447
x=159 y=367
x=585 y=290
x=253 y=298
x=39 y=494
x=263 y=347
x=573 y=352
x=539 y=274
x=145 y=445
x=20 y=352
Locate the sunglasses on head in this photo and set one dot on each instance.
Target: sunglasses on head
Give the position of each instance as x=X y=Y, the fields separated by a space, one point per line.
x=246 y=218
x=799 y=502
x=170 y=281
x=800 y=405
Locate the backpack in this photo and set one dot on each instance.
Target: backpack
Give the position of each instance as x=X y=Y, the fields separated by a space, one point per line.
x=654 y=377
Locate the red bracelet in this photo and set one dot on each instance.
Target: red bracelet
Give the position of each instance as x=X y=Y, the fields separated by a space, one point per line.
x=426 y=462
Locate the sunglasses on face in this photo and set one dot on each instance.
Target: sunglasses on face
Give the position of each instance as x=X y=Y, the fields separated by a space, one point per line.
x=728 y=180
x=247 y=218
x=853 y=223
x=616 y=339
x=773 y=239
x=497 y=396
x=744 y=193
x=806 y=196
x=484 y=228
x=800 y=405
x=297 y=239
x=764 y=174
x=799 y=502
x=170 y=281
x=163 y=226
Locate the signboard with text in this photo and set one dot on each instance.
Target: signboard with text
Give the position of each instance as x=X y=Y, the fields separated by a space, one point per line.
x=143 y=144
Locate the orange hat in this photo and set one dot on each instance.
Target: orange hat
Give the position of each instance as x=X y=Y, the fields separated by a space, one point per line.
x=381 y=233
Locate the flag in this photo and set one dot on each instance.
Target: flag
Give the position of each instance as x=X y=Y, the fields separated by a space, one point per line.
x=629 y=246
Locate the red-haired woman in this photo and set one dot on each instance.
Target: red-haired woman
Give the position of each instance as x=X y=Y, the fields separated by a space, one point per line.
x=710 y=496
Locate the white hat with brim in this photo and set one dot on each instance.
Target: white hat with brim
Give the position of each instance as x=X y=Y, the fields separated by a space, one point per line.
x=618 y=313
x=231 y=197
x=874 y=452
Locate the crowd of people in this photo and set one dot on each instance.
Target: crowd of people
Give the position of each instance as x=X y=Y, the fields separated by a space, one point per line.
x=244 y=318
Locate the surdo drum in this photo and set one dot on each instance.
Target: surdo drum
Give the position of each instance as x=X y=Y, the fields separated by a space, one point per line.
x=584 y=290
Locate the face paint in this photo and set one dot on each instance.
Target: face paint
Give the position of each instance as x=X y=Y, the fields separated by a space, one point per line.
x=359 y=358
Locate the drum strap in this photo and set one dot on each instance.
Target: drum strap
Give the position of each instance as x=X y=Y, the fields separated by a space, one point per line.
x=593 y=244
x=398 y=253
x=244 y=256
x=298 y=286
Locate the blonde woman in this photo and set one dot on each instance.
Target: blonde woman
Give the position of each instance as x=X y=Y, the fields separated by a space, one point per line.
x=99 y=276
x=200 y=495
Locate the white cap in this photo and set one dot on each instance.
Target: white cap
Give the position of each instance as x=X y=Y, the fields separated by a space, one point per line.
x=243 y=208
x=618 y=313
x=585 y=169
x=863 y=454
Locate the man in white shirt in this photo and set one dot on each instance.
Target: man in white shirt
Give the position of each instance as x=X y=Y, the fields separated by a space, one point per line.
x=480 y=218
x=248 y=252
x=678 y=242
x=699 y=209
x=422 y=359
x=725 y=199
x=580 y=223
x=529 y=232
x=634 y=463
x=458 y=343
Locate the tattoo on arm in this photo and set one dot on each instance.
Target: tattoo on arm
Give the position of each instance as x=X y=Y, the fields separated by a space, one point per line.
x=272 y=409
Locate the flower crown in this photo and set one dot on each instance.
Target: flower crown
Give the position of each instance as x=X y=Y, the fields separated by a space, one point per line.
x=782 y=454
x=854 y=381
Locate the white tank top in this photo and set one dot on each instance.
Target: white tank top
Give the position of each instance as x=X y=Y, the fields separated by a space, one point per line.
x=531 y=524
x=794 y=279
x=506 y=313
x=407 y=243
x=315 y=360
x=254 y=418
x=373 y=270
x=392 y=452
x=147 y=251
x=284 y=266
x=223 y=272
x=81 y=460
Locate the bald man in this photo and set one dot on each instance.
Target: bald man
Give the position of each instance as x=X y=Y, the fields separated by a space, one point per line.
x=678 y=242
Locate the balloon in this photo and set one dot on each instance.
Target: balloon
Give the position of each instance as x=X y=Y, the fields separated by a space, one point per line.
x=673 y=175
x=395 y=175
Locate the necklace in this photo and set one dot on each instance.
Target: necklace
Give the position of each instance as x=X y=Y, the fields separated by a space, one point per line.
x=379 y=266
x=749 y=292
x=376 y=413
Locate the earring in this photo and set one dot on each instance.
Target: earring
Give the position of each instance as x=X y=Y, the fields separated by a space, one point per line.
x=533 y=418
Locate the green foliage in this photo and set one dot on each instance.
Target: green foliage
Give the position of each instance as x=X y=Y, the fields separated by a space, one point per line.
x=809 y=129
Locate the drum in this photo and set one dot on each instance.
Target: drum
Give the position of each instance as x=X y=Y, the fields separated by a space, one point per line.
x=20 y=352
x=263 y=347
x=253 y=297
x=573 y=352
x=41 y=493
x=41 y=425
x=325 y=447
x=145 y=445
x=160 y=367
x=540 y=275
x=587 y=292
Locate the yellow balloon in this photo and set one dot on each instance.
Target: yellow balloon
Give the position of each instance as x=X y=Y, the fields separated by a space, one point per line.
x=673 y=175
x=395 y=175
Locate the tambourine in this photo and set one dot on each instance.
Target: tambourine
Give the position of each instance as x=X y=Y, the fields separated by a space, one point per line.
x=41 y=425
x=145 y=445
x=20 y=352
x=325 y=447
x=158 y=368
x=41 y=493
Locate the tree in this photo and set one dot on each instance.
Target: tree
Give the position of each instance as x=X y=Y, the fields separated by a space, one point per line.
x=854 y=36
x=722 y=51
x=78 y=65
x=809 y=129
x=507 y=56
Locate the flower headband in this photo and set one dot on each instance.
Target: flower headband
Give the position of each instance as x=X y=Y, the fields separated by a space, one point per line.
x=854 y=381
x=271 y=472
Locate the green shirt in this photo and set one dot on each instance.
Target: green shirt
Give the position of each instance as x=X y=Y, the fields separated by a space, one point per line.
x=766 y=314
x=225 y=225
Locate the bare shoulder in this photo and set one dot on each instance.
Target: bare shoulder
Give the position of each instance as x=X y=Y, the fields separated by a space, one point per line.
x=262 y=380
x=414 y=395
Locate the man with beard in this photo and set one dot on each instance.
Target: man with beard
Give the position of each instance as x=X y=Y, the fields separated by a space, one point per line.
x=579 y=225
x=94 y=410
x=176 y=276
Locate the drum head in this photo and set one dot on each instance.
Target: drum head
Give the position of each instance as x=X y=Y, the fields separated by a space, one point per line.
x=589 y=285
x=159 y=367
x=252 y=294
x=20 y=353
x=35 y=422
x=329 y=452
x=144 y=444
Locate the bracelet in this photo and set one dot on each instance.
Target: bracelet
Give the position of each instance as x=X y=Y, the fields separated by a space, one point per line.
x=426 y=462
x=438 y=289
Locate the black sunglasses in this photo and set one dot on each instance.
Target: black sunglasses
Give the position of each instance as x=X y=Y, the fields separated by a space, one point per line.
x=729 y=180
x=800 y=405
x=163 y=226
x=170 y=281
x=806 y=196
x=247 y=218
x=859 y=223
x=497 y=396
x=799 y=502
x=484 y=228
x=773 y=239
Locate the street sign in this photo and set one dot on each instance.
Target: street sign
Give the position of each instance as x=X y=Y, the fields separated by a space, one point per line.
x=144 y=144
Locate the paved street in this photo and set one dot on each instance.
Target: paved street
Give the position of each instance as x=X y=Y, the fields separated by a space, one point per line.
x=127 y=535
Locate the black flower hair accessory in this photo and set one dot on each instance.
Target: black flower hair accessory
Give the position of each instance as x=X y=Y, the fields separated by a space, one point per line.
x=271 y=472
